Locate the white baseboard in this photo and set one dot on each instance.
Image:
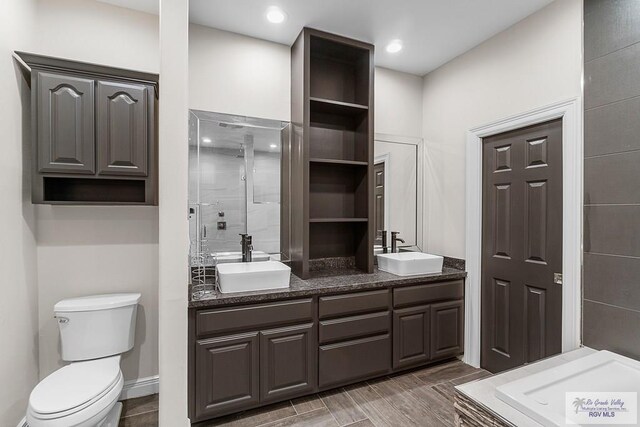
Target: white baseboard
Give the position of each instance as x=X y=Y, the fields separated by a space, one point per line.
x=140 y=387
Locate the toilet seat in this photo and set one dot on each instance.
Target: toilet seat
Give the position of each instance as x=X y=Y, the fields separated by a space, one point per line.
x=80 y=391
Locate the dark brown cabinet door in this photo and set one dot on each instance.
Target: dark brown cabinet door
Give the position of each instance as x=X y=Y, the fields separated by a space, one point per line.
x=122 y=115
x=411 y=336
x=447 y=327
x=65 y=124
x=227 y=378
x=522 y=246
x=287 y=362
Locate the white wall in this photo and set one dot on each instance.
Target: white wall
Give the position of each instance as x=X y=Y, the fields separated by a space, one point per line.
x=398 y=103
x=235 y=74
x=173 y=226
x=19 y=302
x=534 y=63
x=91 y=250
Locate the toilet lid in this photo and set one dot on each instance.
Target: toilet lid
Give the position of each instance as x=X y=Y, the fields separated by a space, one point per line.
x=74 y=385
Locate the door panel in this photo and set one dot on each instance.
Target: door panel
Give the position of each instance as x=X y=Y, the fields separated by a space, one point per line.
x=66 y=142
x=536 y=318
x=287 y=362
x=411 y=336
x=522 y=246
x=122 y=115
x=228 y=377
x=501 y=305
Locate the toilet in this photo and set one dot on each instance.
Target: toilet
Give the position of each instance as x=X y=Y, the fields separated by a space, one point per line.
x=94 y=332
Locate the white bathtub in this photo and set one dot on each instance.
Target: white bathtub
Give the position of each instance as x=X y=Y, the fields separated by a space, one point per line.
x=543 y=396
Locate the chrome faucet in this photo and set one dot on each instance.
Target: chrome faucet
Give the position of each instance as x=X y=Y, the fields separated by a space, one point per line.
x=394 y=241
x=247 y=248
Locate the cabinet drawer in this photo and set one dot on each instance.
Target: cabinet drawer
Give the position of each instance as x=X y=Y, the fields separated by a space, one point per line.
x=355 y=326
x=427 y=293
x=355 y=360
x=253 y=316
x=360 y=302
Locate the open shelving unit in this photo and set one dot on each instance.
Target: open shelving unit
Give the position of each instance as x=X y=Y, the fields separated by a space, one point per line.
x=331 y=187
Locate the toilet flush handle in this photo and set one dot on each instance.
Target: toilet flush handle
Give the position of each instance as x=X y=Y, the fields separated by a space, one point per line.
x=61 y=319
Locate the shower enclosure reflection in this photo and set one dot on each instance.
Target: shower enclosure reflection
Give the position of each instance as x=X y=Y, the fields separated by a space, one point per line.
x=234 y=186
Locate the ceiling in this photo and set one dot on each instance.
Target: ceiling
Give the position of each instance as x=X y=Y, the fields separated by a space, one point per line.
x=432 y=31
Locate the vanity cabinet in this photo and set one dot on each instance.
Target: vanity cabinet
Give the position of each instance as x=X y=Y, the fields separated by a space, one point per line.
x=245 y=356
x=94 y=133
x=427 y=323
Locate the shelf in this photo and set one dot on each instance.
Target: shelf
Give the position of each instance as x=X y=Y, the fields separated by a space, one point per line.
x=338 y=162
x=337 y=239
x=328 y=106
x=325 y=220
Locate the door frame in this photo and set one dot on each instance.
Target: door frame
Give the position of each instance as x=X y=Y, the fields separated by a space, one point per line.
x=570 y=112
x=420 y=159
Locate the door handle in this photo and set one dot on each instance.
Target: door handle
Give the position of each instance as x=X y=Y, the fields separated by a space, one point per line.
x=557 y=278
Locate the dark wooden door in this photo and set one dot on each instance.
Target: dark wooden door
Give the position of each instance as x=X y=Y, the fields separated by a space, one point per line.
x=379 y=201
x=228 y=376
x=411 y=336
x=447 y=326
x=65 y=110
x=522 y=246
x=287 y=362
x=122 y=114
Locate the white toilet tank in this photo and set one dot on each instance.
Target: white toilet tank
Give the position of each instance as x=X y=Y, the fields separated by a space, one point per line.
x=96 y=326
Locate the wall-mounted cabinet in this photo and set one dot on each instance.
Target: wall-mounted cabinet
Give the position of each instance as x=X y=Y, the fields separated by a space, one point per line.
x=332 y=150
x=94 y=133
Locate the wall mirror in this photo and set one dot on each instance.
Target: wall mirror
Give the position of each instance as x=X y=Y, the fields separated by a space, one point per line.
x=398 y=190
x=234 y=186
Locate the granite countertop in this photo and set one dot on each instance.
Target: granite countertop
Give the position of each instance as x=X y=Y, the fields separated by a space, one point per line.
x=338 y=281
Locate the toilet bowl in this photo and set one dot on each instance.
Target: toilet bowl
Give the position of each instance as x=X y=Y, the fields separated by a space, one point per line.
x=94 y=332
x=79 y=394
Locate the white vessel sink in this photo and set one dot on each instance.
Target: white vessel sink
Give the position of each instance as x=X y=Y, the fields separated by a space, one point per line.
x=410 y=263
x=253 y=276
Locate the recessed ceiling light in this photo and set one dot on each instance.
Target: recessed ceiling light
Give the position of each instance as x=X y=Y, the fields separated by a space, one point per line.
x=206 y=140
x=273 y=146
x=394 y=46
x=275 y=15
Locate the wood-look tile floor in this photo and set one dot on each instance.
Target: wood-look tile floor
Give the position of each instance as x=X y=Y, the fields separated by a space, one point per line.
x=422 y=397
x=140 y=412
